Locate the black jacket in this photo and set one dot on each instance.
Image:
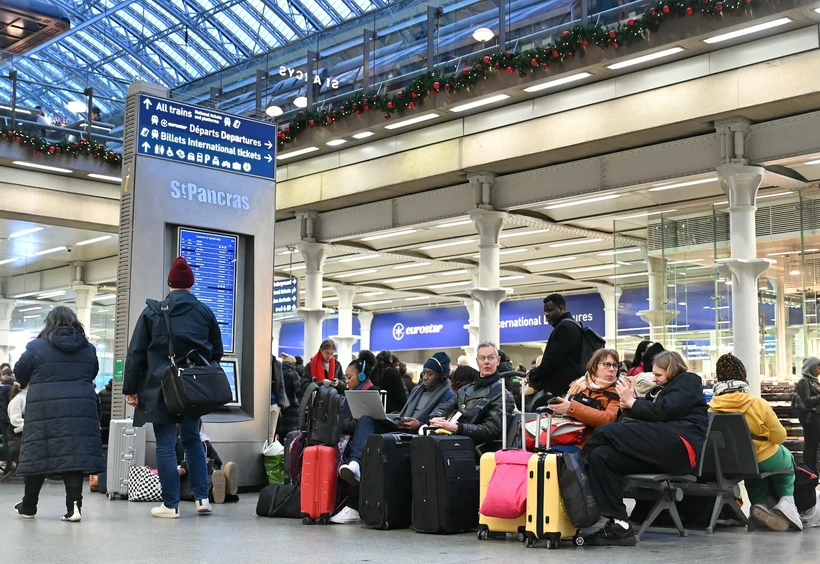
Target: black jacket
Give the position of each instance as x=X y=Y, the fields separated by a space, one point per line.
x=62 y=431
x=277 y=384
x=483 y=427
x=5 y=392
x=194 y=327
x=393 y=384
x=289 y=418
x=561 y=363
x=105 y=411
x=808 y=396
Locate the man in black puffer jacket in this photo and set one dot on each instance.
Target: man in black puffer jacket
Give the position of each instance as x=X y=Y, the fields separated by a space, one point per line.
x=478 y=404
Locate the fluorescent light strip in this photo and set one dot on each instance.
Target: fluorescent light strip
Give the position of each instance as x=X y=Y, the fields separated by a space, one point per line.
x=520 y=233
x=646 y=58
x=689 y=261
x=411 y=121
x=95 y=240
x=29 y=309
x=747 y=31
x=405 y=279
x=355 y=273
x=363 y=135
x=48 y=251
x=629 y=275
x=26 y=232
x=380 y=302
x=644 y=214
x=548 y=261
x=453 y=273
x=662 y=187
x=479 y=103
x=411 y=265
x=336 y=142
x=448 y=285
x=116 y=179
x=42 y=167
x=510 y=278
x=558 y=82
x=590 y=268
x=454 y=223
x=619 y=252
x=792 y=253
x=296 y=153
x=104 y=297
x=52 y=294
x=507 y=252
x=764 y=196
x=388 y=235
x=449 y=244
x=581 y=202
x=357 y=258
x=7 y=261
x=26 y=295
x=372 y=294
x=18 y=110
x=572 y=243
x=417 y=298
x=815 y=161
x=30 y=316
x=296 y=267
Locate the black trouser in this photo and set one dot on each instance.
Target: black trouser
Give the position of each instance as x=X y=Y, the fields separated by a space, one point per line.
x=73 y=491
x=811 y=437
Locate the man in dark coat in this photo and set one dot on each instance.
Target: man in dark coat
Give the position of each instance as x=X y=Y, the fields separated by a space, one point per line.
x=105 y=410
x=62 y=431
x=561 y=362
x=194 y=328
x=289 y=418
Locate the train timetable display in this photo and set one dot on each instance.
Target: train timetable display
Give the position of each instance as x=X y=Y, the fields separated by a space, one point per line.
x=212 y=257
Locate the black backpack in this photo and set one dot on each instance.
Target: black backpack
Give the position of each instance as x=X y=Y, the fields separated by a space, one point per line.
x=324 y=413
x=590 y=342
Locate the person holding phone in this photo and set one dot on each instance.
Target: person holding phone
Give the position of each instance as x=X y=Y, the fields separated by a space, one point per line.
x=324 y=368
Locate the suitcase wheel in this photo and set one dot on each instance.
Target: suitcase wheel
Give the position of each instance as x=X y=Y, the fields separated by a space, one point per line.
x=385 y=526
x=521 y=537
x=481 y=535
x=578 y=540
x=324 y=520
x=307 y=521
x=529 y=543
x=552 y=544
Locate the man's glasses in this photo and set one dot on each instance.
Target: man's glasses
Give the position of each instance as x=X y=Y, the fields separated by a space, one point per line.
x=608 y=365
x=490 y=358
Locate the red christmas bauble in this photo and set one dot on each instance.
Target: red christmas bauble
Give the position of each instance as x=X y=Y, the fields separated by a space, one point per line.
x=51 y=149
x=329 y=120
x=555 y=54
x=545 y=66
x=75 y=143
x=719 y=6
x=479 y=67
x=399 y=95
x=465 y=72
x=706 y=1
x=509 y=70
x=386 y=116
x=612 y=33
x=666 y=9
x=498 y=65
x=748 y=1
x=17 y=139
x=436 y=85
x=287 y=127
x=631 y=21
x=565 y=34
x=414 y=95
x=571 y=55
x=652 y=12
x=615 y=44
x=37 y=153
x=411 y=105
x=486 y=59
x=689 y=11
x=367 y=108
x=358 y=112
x=534 y=62
x=509 y=55
x=585 y=43
x=311 y=123
x=603 y=47
x=446 y=87
x=375 y=99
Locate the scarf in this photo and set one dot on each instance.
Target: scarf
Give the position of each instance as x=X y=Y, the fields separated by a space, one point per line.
x=731 y=387
x=317 y=367
x=586 y=382
x=415 y=397
x=488 y=381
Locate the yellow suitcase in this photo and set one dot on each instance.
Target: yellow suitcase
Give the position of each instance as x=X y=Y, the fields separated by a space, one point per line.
x=546 y=516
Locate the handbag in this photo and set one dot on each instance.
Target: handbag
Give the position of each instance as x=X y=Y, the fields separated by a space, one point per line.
x=576 y=491
x=143 y=484
x=563 y=432
x=194 y=387
x=279 y=500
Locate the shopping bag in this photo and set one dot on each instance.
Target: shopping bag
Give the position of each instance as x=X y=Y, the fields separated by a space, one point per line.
x=274 y=454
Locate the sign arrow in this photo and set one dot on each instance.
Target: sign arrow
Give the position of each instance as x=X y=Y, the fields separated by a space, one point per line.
x=146 y=146
x=269 y=145
x=147 y=104
x=268 y=158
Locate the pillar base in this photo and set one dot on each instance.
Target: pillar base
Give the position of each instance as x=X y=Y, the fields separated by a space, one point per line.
x=743 y=270
x=657 y=319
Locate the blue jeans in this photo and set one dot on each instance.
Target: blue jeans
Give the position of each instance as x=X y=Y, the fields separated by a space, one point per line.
x=365 y=427
x=166 y=434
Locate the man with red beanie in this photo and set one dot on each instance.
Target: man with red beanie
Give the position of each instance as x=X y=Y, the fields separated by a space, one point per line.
x=194 y=328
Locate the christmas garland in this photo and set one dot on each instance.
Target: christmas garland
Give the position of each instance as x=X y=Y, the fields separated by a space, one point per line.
x=571 y=42
x=40 y=146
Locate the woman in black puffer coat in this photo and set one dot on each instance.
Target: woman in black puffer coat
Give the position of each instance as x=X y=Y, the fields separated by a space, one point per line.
x=62 y=431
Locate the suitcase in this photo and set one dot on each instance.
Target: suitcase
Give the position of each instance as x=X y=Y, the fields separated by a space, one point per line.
x=445 y=484
x=279 y=500
x=318 y=495
x=324 y=417
x=386 y=489
x=515 y=467
x=546 y=516
x=289 y=438
x=126 y=448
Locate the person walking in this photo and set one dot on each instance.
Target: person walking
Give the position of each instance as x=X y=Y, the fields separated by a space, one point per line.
x=807 y=403
x=62 y=431
x=560 y=364
x=194 y=328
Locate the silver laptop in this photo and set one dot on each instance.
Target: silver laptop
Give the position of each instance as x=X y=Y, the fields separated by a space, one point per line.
x=366 y=402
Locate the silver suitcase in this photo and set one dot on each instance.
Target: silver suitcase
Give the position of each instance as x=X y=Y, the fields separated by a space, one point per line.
x=126 y=448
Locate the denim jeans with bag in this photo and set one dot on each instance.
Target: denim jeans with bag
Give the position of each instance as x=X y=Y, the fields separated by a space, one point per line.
x=166 y=435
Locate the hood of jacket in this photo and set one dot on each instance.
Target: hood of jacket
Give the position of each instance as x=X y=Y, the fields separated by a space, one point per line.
x=732 y=403
x=68 y=339
x=180 y=302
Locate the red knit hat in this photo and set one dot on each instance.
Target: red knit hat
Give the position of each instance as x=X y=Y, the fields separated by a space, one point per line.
x=180 y=276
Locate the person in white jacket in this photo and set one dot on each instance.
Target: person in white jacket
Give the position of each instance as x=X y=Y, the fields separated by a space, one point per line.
x=17 y=408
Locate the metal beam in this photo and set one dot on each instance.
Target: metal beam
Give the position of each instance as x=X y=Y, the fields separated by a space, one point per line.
x=539 y=221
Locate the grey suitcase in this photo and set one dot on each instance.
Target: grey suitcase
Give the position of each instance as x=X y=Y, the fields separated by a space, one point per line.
x=126 y=448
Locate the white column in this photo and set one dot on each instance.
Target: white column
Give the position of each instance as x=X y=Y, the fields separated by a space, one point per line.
x=611 y=298
x=740 y=183
x=657 y=315
x=6 y=309
x=313 y=313
x=472 y=324
x=365 y=322
x=345 y=338
x=781 y=323
x=488 y=294
x=274 y=339
x=83 y=300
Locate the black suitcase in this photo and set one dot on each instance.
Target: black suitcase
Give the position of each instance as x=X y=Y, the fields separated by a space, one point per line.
x=288 y=440
x=386 y=490
x=279 y=500
x=445 y=484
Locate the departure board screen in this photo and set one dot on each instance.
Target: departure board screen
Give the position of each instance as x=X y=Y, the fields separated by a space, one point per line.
x=212 y=257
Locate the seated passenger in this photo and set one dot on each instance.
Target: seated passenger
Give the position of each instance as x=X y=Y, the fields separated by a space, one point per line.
x=358 y=376
x=665 y=433
x=463 y=375
x=592 y=398
x=732 y=396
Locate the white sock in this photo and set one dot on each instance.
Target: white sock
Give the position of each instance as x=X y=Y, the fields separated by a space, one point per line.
x=788 y=498
x=623 y=524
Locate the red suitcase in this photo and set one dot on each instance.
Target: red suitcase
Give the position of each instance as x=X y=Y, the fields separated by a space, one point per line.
x=319 y=467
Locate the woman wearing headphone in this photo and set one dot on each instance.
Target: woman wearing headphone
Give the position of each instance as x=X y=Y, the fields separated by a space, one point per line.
x=359 y=372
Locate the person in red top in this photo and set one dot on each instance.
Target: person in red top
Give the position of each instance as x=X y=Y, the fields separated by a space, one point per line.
x=637 y=362
x=324 y=368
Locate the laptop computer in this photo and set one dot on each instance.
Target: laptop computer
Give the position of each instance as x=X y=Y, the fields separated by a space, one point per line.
x=367 y=402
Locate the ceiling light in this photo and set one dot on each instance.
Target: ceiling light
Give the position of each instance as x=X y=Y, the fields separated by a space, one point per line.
x=29 y=294
x=52 y=294
x=356 y=273
x=41 y=167
x=764 y=196
x=697 y=268
x=792 y=253
x=479 y=103
x=629 y=275
x=29 y=309
x=619 y=252
x=381 y=302
x=48 y=251
x=507 y=252
x=17 y=110
x=662 y=187
x=572 y=243
x=644 y=214
x=30 y=316
x=331 y=299
x=548 y=261
x=295 y=267
x=448 y=285
x=815 y=161
x=405 y=279
x=417 y=298
x=7 y=261
x=76 y=106
x=558 y=82
x=388 y=235
x=372 y=294
x=274 y=111
x=26 y=232
x=363 y=135
x=357 y=258
x=95 y=240
x=483 y=34
x=411 y=121
x=510 y=278
x=296 y=153
x=747 y=30
x=590 y=268
x=521 y=232
x=411 y=265
x=795 y=273
x=689 y=261
x=300 y=102
x=116 y=179
x=646 y=58
x=336 y=142
x=455 y=223
x=104 y=297
x=449 y=244
x=580 y=202
x=453 y=273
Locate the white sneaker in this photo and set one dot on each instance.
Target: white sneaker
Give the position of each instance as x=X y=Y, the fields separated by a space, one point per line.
x=762 y=516
x=811 y=517
x=203 y=507
x=346 y=516
x=786 y=508
x=351 y=473
x=165 y=512
x=74 y=517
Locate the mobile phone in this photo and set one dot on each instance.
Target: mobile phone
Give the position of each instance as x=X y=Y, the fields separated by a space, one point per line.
x=554 y=400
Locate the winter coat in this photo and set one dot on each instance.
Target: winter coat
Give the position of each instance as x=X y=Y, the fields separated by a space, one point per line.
x=17 y=411
x=105 y=411
x=277 y=385
x=339 y=376
x=393 y=384
x=808 y=395
x=62 y=431
x=194 y=328
x=289 y=417
x=593 y=417
x=5 y=391
x=561 y=362
x=764 y=426
x=484 y=426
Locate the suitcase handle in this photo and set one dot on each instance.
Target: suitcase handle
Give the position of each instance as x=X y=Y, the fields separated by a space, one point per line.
x=541 y=411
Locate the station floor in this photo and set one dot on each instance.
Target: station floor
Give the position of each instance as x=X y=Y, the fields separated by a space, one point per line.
x=119 y=532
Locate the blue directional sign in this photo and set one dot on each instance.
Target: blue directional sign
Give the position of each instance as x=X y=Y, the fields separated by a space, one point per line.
x=203 y=137
x=285 y=295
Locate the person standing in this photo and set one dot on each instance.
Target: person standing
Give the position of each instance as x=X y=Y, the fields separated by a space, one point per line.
x=6 y=381
x=194 y=328
x=807 y=403
x=105 y=410
x=62 y=431
x=289 y=418
x=561 y=363
x=388 y=378
x=324 y=368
